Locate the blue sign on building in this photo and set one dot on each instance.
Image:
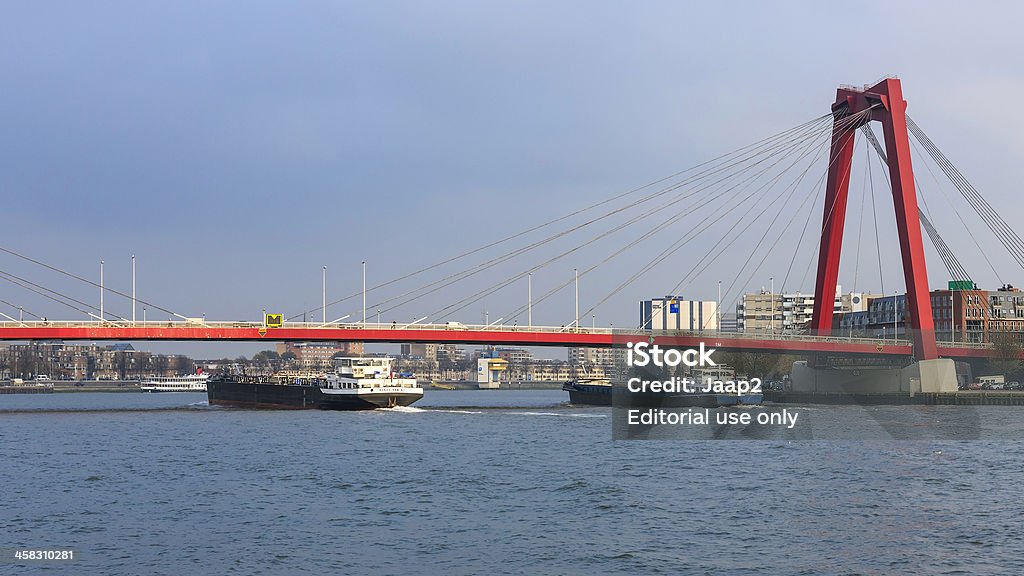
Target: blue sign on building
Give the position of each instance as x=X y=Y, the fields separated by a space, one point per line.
x=673 y=306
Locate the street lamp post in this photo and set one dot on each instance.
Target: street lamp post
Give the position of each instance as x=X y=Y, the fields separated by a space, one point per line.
x=101 y=290
x=364 y=292
x=718 y=310
x=895 y=315
x=952 y=316
x=772 y=322
x=576 y=278
x=323 y=295
x=529 y=299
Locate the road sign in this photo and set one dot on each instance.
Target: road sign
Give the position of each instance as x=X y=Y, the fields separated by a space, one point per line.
x=274 y=320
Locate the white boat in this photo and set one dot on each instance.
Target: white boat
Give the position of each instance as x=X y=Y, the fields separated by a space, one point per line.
x=189 y=383
x=367 y=382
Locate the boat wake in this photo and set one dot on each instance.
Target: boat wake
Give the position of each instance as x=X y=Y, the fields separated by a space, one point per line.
x=566 y=414
x=406 y=409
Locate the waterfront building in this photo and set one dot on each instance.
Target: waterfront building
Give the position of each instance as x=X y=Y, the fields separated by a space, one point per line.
x=677 y=313
x=961 y=313
x=418 y=350
x=785 y=312
x=514 y=356
x=72 y=361
x=729 y=322
x=310 y=355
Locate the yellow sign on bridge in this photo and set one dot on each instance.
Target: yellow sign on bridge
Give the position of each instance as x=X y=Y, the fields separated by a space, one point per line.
x=274 y=320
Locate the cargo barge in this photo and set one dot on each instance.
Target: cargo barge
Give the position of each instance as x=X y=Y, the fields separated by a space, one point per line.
x=600 y=392
x=603 y=393
x=358 y=384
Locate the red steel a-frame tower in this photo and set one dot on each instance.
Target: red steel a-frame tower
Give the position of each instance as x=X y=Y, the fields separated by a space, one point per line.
x=882 y=102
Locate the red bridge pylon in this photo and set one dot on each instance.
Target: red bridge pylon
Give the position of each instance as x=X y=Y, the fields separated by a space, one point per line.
x=884 y=103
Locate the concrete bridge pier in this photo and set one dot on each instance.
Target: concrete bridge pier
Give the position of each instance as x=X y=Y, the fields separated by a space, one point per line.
x=923 y=376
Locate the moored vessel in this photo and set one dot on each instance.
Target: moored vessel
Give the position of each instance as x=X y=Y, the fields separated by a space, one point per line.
x=190 y=383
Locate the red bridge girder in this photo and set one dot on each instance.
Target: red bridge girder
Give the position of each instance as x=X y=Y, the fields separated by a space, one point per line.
x=508 y=337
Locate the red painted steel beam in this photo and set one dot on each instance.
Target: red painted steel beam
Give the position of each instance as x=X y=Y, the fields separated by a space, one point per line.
x=505 y=337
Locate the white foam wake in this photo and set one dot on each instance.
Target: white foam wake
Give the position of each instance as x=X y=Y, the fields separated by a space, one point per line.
x=408 y=409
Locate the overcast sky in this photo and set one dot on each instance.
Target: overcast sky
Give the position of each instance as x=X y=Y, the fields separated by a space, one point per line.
x=238 y=147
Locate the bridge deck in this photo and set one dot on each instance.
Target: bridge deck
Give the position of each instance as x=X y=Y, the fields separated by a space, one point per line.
x=462 y=334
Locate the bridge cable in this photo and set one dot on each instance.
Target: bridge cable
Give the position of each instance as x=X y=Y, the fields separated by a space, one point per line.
x=860 y=217
x=843 y=124
x=476 y=297
x=41 y=291
x=812 y=193
x=86 y=280
x=874 y=220
x=451 y=279
x=1004 y=233
x=861 y=119
x=675 y=247
x=945 y=196
x=846 y=123
x=20 y=309
x=585 y=209
x=988 y=214
x=686 y=239
x=949 y=260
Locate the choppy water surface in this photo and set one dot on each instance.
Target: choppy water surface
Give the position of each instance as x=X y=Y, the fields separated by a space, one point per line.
x=497 y=482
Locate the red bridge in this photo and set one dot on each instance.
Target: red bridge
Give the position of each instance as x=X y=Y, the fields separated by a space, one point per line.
x=720 y=181
x=468 y=334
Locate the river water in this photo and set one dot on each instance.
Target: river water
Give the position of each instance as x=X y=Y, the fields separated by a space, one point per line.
x=485 y=482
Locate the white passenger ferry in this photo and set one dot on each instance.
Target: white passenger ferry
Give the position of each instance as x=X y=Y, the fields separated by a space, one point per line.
x=189 y=383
